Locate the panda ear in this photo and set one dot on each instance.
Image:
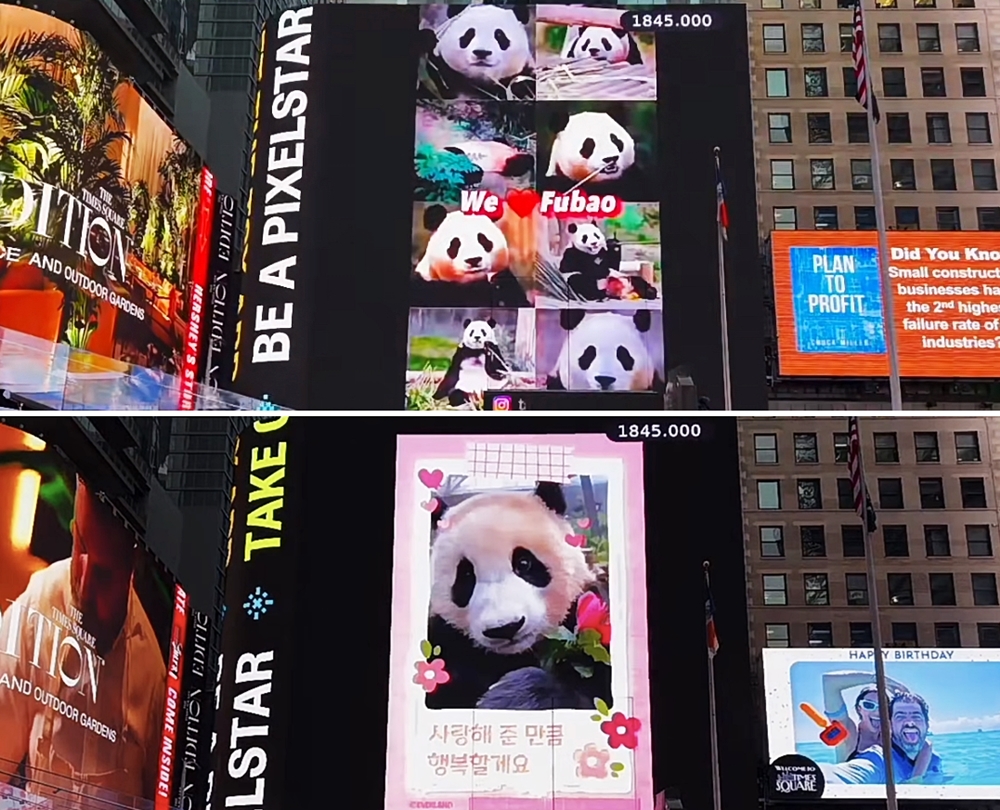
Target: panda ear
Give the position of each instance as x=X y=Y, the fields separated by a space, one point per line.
x=558 y=121
x=521 y=12
x=491 y=323
x=634 y=57
x=466 y=322
x=551 y=494
x=454 y=11
x=569 y=319
x=427 y=41
x=642 y=320
x=433 y=217
x=571 y=227
x=438 y=513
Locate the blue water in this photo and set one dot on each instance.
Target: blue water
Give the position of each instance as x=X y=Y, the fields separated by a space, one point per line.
x=970 y=758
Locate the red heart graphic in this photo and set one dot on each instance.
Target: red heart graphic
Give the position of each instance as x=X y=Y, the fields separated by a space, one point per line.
x=431 y=479
x=430 y=505
x=576 y=540
x=583 y=523
x=522 y=201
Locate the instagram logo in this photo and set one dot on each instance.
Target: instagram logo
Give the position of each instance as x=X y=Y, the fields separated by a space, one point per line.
x=502 y=403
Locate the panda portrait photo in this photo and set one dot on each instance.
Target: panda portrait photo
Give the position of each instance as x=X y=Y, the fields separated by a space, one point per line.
x=521 y=616
x=478 y=51
x=606 y=263
x=472 y=146
x=582 y=53
x=581 y=350
x=456 y=355
x=599 y=147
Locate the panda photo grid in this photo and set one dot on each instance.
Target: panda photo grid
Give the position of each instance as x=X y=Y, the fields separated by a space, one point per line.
x=515 y=103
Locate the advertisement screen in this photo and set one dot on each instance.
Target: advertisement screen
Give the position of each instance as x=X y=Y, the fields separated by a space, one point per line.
x=219 y=326
x=193 y=742
x=829 y=303
x=519 y=663
x=87 y=619
x=99 y=204
x=538 y=218
x=944 y=708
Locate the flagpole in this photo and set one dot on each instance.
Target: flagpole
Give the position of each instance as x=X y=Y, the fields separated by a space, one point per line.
x=895 y=387
x=727 y=393
x=712 y=716
x=885 y=725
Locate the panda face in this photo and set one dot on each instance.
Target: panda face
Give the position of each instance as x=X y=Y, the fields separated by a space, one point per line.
x=478 y=333
x=484 y=43
x=607 y=351
x=587 y=238
x=464 y=248
x=600 y=43
x=503 y=573
x=592 y=142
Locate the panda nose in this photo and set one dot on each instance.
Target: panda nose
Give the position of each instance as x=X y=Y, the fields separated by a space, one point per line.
x=505 y=632
x=481 y=54
x=594 y=51
x=610 y=160
x=605 y=382
x=475 y=261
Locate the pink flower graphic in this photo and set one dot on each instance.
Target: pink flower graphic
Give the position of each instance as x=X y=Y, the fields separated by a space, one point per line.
x=431 y=674
x=592 y=762
x=621 y=730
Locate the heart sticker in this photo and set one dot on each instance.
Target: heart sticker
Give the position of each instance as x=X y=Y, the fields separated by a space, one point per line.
x=431 y=478
x=576 y=540
x=583 y=523
x=430 y=505
x=522 y=201
x=443 y=523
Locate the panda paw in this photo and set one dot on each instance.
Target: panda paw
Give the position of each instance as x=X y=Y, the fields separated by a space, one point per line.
x=457 y=398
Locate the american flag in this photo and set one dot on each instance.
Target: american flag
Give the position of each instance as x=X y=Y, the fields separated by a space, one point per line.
x=862 y=500
x=859 y=50
x=711 y=637
x=721 y=209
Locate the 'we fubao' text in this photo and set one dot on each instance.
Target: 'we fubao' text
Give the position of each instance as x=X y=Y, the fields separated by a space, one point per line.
x=523 y=202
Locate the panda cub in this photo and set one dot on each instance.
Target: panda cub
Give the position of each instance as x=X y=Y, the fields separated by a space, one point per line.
x=476 y=361
x=589 y=261
x=502 y=577
x=481 y=51
x=612 y=45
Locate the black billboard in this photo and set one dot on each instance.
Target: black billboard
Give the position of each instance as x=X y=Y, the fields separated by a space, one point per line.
x=219 y=324
x=192 y=767
x=515 y=229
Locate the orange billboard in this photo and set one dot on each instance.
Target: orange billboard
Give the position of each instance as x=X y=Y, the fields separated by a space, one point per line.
x=945 y=297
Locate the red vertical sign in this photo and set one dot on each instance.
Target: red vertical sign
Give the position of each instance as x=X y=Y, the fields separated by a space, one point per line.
x=172 y=711
x=199 y=281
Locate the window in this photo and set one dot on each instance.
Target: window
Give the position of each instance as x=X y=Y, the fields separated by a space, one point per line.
x=772 y=541
x=864 y=217
x=907 y=218
x=942 y=589
x=978 y=540
x=886 y=448
x=984 y=178
x=926 y=445
x=895 y=541
x=947 y=635
x=850 y=84
x=885 y=3
x=852 y=539
x=967 y=37
x=973 y=83
x=815 y=79
x=989 y=634
x=819 y=128
x=967 y=441
x=776 y=82
x=928 y=38
x=765 y=448
x=774 y=39
x=846 y=37
x=890 y=493
x=775 y=589
x=845 y=493
x=978 y=127
x=776 y=635
x=810 y=3
x=904 y=176
x=772 y=3
x=821 y=174
x=900 y=589
x=936 y=541
x=779 y=127
x=768 y=495
x=782 y=175
x=943 y=175
x=812 y=38
x=893 y=82
x=984 y=590
x=806 y=448
x=932 y=81
x=841 y=447
x=857 y=128
x=813 y=541
x=931 y=493
x=904 y=634
x=963 y=3
x=973 y=493
x=925 y=3
x=785 y=218
x=857 y=589
x=817 y=588
x=938 y=128
x=861 y=634
x=861 y=174
x=820 y=634
x=988 y=219
x=825 y=218
x=809 y=494
x=889 y=39
x=898 y=126
x=948 y=218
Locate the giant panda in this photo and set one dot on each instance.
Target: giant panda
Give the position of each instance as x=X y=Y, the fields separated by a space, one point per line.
x=502 y=577
x=605 y=351
x=612 y=45
x=476 y=361
x=587 y=261
x=492 y=156
x=481 y=51
x=465 y=264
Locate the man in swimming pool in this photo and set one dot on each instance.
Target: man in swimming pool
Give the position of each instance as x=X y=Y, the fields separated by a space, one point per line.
x=912 y=757
x=864 y=733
